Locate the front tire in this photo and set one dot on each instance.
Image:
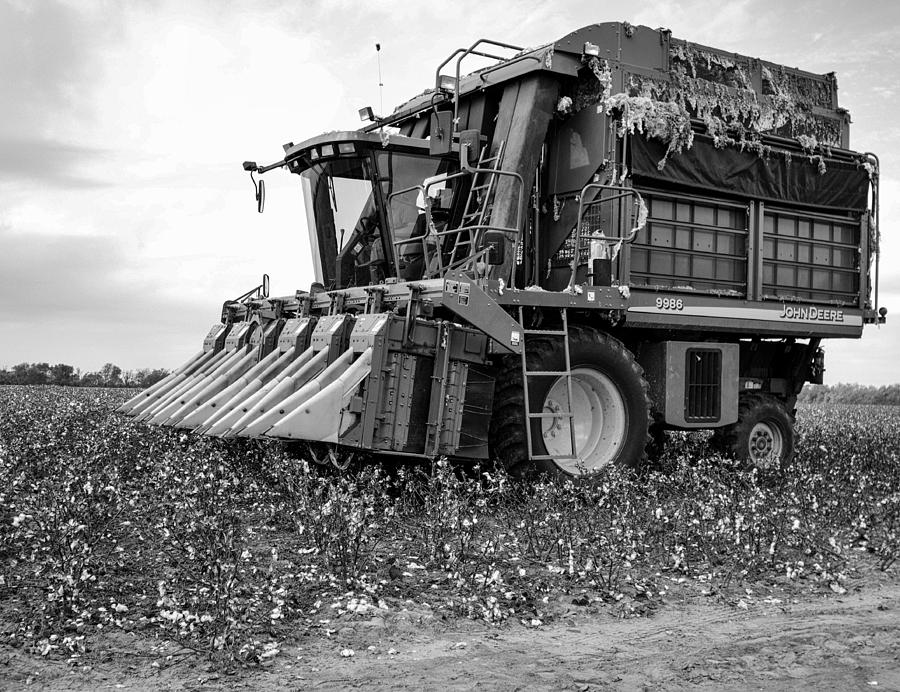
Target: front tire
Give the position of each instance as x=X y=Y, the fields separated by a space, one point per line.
x=609 y=401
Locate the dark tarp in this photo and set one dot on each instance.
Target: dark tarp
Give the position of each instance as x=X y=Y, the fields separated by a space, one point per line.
x=730 y=170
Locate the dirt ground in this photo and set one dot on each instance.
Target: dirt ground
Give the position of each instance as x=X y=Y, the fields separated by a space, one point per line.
x=758 y=638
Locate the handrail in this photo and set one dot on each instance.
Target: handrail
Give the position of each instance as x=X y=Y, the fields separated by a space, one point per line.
x=471 y=51
x=466 y=52
x=401 y=115
x=468 y=263
x=474 y=171
x=622 y=193
x=405 y=241
x=437 y=72
x=260 y=292
x=877 y=223
x=478 y=229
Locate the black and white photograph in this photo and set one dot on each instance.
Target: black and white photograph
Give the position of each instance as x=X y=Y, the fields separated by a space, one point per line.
x=449 y=346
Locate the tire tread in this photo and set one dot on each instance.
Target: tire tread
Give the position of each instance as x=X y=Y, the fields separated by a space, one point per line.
x=509 y=446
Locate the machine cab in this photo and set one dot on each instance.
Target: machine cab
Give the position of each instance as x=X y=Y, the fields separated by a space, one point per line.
x=364 y=195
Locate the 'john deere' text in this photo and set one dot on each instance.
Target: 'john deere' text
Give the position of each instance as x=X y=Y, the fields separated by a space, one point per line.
x=791 y=312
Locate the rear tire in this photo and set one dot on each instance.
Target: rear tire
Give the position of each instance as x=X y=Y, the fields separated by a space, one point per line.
x=610 y=402
x=763 y=437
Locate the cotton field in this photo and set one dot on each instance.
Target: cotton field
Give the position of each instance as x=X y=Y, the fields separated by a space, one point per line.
x=228 y=549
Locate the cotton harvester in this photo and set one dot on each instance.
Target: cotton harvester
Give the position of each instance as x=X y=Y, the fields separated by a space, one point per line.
x=552 y=259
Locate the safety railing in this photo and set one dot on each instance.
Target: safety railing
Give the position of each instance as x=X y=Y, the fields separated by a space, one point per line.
x=260 y=292
x=433 y=240
x=591 y=220
x=464 y=53
x=874 y=175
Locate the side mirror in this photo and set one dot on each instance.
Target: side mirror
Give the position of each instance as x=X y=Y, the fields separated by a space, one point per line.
x=259 y=187
x=496 y=242
x=260 y=196
x=440 y=133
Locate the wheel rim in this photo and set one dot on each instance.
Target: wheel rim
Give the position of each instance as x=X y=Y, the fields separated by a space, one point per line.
x=599 y=416
x=766 y=443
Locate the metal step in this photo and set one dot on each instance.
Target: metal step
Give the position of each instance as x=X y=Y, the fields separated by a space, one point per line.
x=548 y=332
x=527 y=374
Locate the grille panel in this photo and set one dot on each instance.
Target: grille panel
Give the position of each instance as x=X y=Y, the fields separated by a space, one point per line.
x=703 y=385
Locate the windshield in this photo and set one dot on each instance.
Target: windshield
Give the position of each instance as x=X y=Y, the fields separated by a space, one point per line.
x=340 y=201
x=346 y=214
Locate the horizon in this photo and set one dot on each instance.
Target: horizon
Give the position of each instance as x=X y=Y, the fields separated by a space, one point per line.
x=82 y=371
x=126 y=216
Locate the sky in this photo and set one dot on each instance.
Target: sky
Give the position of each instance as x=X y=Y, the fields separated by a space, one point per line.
x=126 y=219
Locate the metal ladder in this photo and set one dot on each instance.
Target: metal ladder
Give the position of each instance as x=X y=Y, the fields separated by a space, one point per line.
x=567 y=373
x=479 y=204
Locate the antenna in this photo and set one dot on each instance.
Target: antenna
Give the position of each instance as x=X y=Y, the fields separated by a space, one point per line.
x=380 y=84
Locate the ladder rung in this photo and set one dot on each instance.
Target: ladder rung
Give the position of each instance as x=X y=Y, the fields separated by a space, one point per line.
x=526 y=377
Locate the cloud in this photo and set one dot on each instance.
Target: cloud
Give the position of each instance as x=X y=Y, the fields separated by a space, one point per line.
x=48 y=162
x=48 y=54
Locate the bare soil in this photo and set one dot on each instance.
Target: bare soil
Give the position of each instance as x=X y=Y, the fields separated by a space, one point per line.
x=770 y=636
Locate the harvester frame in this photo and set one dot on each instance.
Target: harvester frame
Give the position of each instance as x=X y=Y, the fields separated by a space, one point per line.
x=555 y=258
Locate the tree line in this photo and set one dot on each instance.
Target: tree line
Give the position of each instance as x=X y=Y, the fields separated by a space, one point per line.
x=110 y=375
x=888 y=394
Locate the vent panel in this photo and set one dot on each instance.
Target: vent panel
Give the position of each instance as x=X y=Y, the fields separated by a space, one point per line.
x=703 y=385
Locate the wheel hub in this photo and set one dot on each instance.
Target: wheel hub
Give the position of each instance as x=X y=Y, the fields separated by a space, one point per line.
x=598 y=415
x=766 y=442
x=555 y=426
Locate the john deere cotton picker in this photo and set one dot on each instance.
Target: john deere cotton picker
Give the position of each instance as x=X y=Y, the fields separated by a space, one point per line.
x=552 y=259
